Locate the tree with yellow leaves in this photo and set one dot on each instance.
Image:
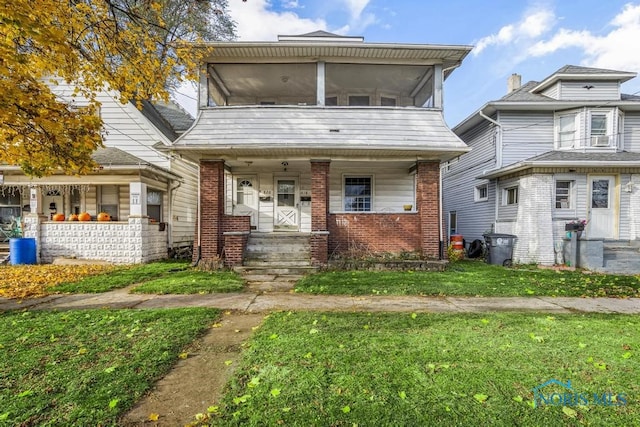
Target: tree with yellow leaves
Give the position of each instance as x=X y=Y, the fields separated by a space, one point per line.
x=135 y=47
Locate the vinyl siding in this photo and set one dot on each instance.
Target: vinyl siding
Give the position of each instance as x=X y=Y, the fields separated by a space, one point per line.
x=474 y=218
x=576 y=91
x=507 y=212
x=181 y=210
x=525 y=135
x=552 y=91
x=625 y=208
x=632 y=132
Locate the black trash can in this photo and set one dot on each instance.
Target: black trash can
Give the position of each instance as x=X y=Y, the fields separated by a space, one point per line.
x=499 y=248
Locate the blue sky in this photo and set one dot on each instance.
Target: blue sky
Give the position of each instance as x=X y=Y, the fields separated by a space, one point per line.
x=531 y=38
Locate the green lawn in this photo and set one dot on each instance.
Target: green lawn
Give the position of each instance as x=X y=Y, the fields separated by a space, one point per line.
x=85 y=368
x=308 y=369
x=164 y=277
x=192 y=282
x=472 y=278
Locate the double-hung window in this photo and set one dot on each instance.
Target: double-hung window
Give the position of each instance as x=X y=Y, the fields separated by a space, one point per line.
x=599 y=137
x=563 y=194
x=567 y=131
x=510 y=196
x=357 y=193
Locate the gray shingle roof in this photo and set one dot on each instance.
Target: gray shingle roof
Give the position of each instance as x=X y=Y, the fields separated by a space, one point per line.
x=523 y=94
x=179 y=119
x=115 y=157
x=575 y=69
x=573 y=156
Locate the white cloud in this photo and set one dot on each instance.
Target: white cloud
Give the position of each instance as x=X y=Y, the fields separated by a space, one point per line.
x=356 y=7
x=532 y=25
x=291 y=4
x=256 y=21
x=615 y=50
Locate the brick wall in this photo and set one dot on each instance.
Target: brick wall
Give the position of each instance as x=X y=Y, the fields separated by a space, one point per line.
x=211 y=209
x=427 y=201
x=236 y=230
x=374 y=232
x=319 y=211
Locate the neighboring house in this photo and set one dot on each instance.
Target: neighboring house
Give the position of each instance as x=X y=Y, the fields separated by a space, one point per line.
x=151 y=196
x=325 y=137
x=548 y=153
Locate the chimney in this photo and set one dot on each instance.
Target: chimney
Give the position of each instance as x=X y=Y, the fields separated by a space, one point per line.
x=514 y=82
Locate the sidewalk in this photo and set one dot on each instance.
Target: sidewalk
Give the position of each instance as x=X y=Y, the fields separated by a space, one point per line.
x=264 y=302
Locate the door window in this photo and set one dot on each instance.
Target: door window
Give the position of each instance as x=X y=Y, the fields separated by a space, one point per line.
x=600 y=194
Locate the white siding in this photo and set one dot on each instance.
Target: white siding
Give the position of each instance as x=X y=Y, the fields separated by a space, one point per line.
x=507 y=212
x=458 y=184
x=525 y=135
x=625 y=208
x=393 y=185
x=552 y=91
x=123 y=202
x=599 y=90
x=181 y=209
x=632 y=132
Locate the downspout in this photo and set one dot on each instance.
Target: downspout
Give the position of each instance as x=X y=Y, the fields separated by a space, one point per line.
x=498 y=163
x=170 y=231
x=199 y=222
x=440 y=217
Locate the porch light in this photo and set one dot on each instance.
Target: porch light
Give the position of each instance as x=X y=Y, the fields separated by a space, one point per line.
x=284 y=165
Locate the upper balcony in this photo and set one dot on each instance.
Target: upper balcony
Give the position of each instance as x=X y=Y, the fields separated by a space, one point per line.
x=326 y=70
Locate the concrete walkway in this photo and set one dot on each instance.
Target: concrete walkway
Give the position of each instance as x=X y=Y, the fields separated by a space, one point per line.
x=251 y=302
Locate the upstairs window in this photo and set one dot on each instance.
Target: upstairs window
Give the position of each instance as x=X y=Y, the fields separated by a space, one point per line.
x=567 y=131
x=481 y=193
x=357 y=193
x=359 y=101
x=599 y=137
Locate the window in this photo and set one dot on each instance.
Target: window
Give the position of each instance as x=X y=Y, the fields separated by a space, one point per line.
x=453 y=223
x=563 y=194
x=154 y=205
x=9 y=207
x=510 y=196
x=357 y=194
x=245 y=194
x=567 y=131
x=599 y=136
x=109 y=200
x=481 y=193
x=331 y=101
x=359 y=101
x=76 y=201
x=386 y=101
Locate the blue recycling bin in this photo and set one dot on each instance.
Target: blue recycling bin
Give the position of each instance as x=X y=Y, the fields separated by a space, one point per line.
x=22 y=250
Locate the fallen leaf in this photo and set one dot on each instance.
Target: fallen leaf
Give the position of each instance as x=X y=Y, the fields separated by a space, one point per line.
x=480 y=397
x=154 y=417
x=183 y=355
x=571 y=413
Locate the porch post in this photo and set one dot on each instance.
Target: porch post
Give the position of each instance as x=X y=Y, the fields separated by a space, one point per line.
x=211 y=210
x=319 y=211
x=427 y=201
x=137 y=199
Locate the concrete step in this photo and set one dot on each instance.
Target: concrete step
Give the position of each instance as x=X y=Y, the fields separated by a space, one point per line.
x=281 y=249
x=276 y=256
x=277 y=270
x=250 y=262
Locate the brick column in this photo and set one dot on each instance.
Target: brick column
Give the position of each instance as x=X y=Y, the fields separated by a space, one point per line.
x=211 y=209
x=428 y=204
x=319 y=211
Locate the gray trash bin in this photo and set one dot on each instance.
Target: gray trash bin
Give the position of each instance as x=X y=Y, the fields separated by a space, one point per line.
x=499 y=248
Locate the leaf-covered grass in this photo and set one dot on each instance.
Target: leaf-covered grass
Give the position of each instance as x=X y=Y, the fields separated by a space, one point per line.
x=193 y=282
x=434 y=369
x=81 y=368
x=121 y=277
x=24 y=281
x=472 y=278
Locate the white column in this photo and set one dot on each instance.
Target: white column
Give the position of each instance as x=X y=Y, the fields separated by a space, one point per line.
x=35 y=200
x=438 y=78
x=137 y=199
x=320 y=76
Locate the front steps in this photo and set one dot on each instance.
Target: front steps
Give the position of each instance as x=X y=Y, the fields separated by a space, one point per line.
x=4 y=252
x=274 y=262
x=621 y=257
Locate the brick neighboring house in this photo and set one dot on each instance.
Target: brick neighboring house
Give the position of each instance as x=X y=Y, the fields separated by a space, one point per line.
x=321 y=136
x=563 y=149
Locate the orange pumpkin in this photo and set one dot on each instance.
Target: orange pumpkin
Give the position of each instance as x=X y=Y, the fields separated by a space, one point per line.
x=103 y=216
x=84 y=216
x=73 y=217
x=58 y=217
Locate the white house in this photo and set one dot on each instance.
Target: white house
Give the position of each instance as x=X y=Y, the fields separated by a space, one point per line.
x=565 y=149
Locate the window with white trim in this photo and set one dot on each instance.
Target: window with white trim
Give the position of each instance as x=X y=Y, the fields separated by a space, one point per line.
x=510 y=196
x=567 y=131
x=481 y=193
x=598 y=130
x=563 y=197
x=358 y=191
x=154 y=205
x=453 y=223
x=359 y=101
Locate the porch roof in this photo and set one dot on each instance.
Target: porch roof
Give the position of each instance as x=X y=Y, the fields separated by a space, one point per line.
x=334 y=132
x=565 y=159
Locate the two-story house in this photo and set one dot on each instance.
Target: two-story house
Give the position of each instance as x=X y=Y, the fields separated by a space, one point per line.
x=548 y=153
x=323 y=136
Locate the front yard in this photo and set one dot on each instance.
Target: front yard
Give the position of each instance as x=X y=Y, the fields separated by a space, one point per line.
x=81 y=368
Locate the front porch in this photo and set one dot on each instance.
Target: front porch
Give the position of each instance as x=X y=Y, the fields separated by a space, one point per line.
x=372 y=206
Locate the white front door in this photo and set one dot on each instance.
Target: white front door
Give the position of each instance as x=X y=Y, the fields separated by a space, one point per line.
x=602 y=206
x=245 y=190
x=287 y=214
